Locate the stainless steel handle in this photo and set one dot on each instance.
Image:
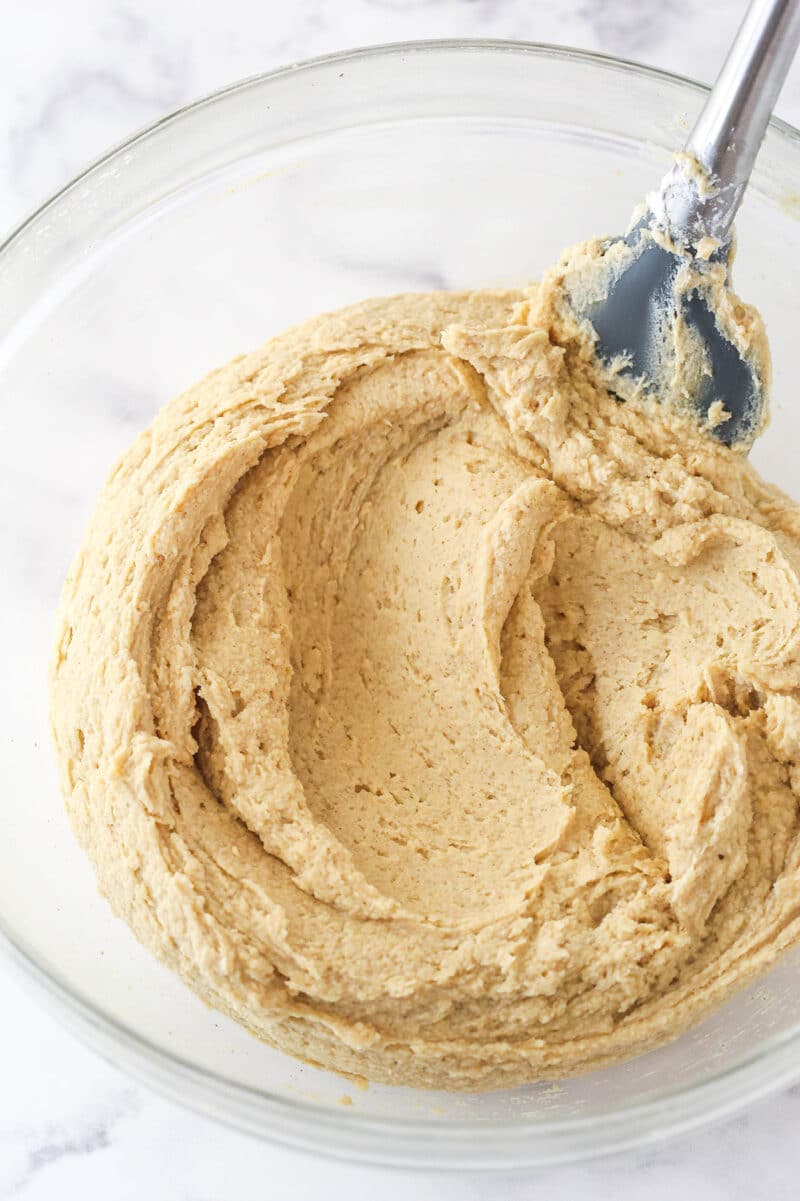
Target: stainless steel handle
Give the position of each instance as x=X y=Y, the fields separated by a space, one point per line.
x=727 y=135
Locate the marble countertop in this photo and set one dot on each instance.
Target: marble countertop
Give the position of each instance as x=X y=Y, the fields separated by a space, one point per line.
x=75 y=77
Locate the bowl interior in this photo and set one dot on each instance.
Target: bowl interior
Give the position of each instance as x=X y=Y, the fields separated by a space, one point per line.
x=398 y=170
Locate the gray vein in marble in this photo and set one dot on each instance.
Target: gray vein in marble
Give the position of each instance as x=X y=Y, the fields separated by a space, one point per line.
x=81 y=91
x=45 y=1146
x=474 y=9
x=391 y=275
x=631 y=27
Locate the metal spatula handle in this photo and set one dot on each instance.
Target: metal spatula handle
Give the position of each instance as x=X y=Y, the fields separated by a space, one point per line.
x=728 y=133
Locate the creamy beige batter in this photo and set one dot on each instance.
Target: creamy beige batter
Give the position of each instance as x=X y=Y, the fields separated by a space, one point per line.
x=432 y=713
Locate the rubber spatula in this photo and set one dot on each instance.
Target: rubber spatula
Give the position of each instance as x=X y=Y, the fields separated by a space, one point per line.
x=688 y=222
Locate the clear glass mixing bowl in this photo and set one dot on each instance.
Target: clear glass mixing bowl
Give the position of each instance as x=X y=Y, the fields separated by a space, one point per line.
x=409 y=167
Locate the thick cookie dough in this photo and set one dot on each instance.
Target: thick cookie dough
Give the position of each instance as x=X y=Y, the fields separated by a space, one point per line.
x=432 y=713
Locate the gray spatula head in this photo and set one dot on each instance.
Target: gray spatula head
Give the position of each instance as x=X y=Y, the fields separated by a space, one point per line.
x=665 y=321
x=651 y=309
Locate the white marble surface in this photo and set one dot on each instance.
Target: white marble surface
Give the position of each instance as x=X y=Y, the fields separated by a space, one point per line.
x=76 y=76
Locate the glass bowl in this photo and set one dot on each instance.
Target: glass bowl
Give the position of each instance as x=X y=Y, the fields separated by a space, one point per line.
x=436 y=165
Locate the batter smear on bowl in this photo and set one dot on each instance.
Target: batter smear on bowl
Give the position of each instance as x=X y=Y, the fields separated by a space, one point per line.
x=434 y=714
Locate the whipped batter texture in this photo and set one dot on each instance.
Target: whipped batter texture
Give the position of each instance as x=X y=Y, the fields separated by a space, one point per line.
x=433 y=714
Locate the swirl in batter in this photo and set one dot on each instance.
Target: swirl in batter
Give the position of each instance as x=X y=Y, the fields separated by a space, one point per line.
x=432 y=713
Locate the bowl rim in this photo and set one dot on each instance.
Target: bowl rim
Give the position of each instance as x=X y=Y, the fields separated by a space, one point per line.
x=542 y=50
x=353 y=1134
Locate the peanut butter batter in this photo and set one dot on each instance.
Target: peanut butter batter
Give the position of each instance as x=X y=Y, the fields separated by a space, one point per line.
x=432 y=713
